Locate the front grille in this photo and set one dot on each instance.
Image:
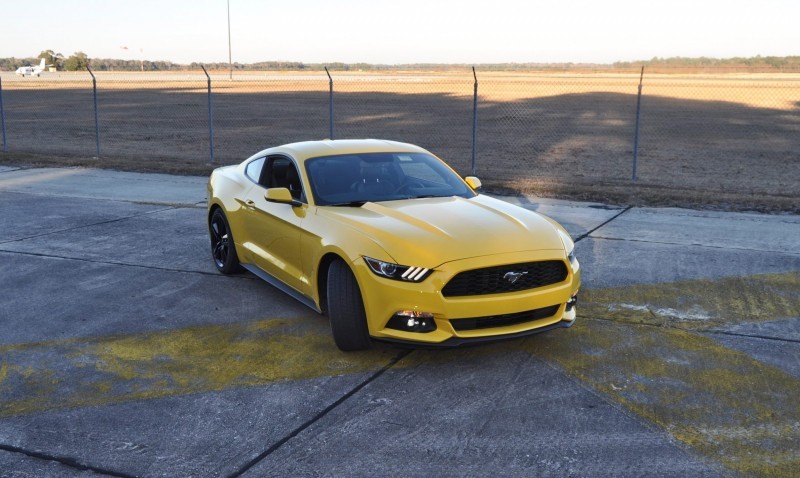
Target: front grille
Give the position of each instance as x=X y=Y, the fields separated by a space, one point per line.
x=496 y=280
x=504 y=320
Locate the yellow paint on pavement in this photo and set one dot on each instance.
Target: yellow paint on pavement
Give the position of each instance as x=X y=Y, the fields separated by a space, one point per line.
x=698 y=304
x=107 y=370
x=727 y=405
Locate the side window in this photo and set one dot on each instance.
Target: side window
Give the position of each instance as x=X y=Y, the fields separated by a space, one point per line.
x=253 y=170
x=282 y=173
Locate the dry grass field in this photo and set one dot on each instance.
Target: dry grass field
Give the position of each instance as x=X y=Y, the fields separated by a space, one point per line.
x=729 y=140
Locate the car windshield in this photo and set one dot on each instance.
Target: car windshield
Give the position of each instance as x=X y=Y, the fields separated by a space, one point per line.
x=354 y=179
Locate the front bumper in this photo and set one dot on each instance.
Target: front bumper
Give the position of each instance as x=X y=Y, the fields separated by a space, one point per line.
x=384 y=297
x=461 y=342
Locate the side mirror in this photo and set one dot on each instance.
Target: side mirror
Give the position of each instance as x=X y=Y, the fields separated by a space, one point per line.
x=473 y=182
x=281 y=196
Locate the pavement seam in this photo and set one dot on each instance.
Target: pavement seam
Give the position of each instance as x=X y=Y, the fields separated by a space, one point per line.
x=277 y=445
x=588 y=233
x=66 y=461
x=711 y=214
x=695 y=331
x=75 y=228
x=725 y=248
x=739 y=334
x=125 y=264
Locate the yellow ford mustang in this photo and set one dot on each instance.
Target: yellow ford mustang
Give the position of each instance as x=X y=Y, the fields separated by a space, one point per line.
x=390 y=243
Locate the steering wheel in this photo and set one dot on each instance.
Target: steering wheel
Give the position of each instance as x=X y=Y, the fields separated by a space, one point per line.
x=407 y=185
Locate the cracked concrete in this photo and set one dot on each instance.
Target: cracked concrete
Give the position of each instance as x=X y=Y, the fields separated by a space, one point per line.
x=125 y=354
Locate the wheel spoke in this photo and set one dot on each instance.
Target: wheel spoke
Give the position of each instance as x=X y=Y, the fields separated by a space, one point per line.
x=221 y=252
x=215 y=229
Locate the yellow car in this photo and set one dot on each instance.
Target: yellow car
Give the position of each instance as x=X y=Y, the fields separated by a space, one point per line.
x=391 y=244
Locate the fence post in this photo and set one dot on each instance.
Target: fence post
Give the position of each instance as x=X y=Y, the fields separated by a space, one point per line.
x=636 y=133
x=474 y=117
x=3 y=117
x=330 y=100
x=210 y=117
x=96 y=118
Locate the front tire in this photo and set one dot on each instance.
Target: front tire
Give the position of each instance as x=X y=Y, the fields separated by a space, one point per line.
x=346 y=309
x=223 y=250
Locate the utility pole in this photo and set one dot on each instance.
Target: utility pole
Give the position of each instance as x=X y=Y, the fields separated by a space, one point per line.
x=230 y=62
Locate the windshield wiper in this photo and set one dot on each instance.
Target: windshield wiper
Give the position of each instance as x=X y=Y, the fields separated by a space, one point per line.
x=424 y=196
x=350 y=203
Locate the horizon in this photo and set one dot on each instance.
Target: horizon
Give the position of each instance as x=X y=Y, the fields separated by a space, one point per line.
x=661 y=63
x=380 y=33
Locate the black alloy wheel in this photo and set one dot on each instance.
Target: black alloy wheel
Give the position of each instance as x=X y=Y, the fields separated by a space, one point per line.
x=222 y=249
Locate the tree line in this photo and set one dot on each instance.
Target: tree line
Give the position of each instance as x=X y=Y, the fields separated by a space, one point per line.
x=759 y=63
x=79 y=61
x=76 y=61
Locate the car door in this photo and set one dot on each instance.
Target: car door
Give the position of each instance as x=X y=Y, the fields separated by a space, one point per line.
x=274 y=229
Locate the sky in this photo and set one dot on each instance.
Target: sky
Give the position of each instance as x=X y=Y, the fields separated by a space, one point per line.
x=401 y=31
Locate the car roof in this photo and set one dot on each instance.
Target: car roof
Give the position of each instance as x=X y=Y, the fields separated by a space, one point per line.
x=328 y=147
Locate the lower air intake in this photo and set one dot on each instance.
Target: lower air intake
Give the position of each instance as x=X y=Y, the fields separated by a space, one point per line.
x=492 y=321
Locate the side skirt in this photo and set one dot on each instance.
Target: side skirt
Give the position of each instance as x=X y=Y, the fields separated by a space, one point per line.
x=275 y=282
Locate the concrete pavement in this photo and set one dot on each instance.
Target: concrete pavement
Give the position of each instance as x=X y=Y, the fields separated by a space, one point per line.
x=124 y=353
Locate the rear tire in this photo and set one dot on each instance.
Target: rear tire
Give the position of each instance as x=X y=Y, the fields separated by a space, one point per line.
x=346 y=309
x=223 y=250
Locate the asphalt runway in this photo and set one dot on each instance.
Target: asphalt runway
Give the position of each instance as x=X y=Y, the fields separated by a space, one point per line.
x=124 y=352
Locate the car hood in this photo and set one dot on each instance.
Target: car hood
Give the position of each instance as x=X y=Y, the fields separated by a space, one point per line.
x=432 y=231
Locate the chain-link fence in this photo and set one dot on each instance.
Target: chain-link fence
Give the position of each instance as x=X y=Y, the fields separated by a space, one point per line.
x=696 y=131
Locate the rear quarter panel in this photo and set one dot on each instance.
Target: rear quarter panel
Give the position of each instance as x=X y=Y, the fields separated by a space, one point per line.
x=225 y=186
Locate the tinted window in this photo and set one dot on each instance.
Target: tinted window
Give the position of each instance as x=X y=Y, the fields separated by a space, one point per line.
x=377 y=177
x=282 y=173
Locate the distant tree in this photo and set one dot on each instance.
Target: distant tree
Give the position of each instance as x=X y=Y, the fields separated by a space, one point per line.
x=78 y=61
x=11 y=64
x=51 y=58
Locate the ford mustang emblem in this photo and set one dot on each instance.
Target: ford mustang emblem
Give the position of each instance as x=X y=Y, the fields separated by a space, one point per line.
x=513 y=276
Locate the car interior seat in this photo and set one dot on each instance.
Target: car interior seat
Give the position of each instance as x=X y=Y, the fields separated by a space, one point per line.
x=333 y=177
x=374 y=180
x=293 y=182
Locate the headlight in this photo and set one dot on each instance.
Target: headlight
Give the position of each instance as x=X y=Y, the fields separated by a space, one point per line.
x=569 y=246
x=396 y=271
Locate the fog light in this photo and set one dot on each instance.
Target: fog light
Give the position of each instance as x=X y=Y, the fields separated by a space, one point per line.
x=412 y=321
x=571 y=302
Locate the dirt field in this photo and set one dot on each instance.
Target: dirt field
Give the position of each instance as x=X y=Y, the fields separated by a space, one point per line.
x=729 y=141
